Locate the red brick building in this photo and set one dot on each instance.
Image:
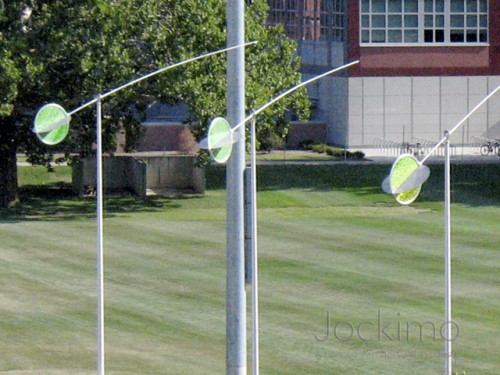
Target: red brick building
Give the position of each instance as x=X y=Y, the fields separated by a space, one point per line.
x=423 y=65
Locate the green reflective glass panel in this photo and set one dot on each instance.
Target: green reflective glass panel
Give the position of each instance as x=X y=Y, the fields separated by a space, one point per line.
x=395 y=36
x=457 y=6
x=395 y=21
x=411 y=6
x=411 y=21
x=483 y=6
x=439 y=6
x=51 y=124
x=457 y=21
x=395 y=6
x=402 y=169
x=378 y=6
x=471 y=6
x=220 y=143
x=411 y=36
x=378 y=21
x=472 y=21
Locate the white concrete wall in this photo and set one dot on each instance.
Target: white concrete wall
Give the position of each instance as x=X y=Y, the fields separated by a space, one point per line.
x=175 y=172
x=162 y=173
x=397 y=108
x=321 y=53
x=119 y=174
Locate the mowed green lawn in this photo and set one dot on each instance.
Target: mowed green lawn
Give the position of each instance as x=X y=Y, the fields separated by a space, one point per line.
x=347 y=278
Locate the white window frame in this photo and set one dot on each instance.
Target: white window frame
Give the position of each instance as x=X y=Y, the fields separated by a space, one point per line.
x=421 y=26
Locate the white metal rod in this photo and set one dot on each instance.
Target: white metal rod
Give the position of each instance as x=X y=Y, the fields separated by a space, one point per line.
x=149 y=75
x=448 y=354
x=289 y=91
x=255 y=277
x=83 y=106
x=204 y=142
x=175 y=66
x=450 y=132
x=253 y=177
x=53 y=126
x=230 y=355
x=447 y=259
x=99 y=194
x=100 y=271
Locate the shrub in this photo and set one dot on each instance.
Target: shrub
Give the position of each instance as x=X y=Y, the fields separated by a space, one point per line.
x=343 y=153
x=306 y=145
x=358 y=155
x=320 y=148
x=335 y=152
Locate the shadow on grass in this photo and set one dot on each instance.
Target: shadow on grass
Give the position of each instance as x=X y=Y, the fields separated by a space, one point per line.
x=467 y=193
x=474 y=184
x=57 y=202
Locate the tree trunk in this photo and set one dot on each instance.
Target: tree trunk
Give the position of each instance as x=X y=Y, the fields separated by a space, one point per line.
x=8 y=176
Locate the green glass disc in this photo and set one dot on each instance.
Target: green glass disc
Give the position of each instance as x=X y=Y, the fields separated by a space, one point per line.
x=220 y=140
x=52 y=124
x=402 y=169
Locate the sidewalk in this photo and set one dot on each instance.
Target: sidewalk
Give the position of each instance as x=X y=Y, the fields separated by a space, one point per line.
x=383 y=156
x=458 y=153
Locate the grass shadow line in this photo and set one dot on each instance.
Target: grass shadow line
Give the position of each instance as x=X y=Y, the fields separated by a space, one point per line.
x=57 y=202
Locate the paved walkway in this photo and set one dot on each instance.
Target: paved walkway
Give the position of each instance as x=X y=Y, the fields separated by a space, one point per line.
x=458 y=154
x=379 y=156
x=382 y=156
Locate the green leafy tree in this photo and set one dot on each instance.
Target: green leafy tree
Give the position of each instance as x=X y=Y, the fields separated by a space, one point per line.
x=271 y=67
x=67 y=51
x=9 y=88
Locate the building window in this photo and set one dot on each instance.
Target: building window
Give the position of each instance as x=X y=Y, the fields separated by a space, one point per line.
x=424 y=22
x=309 y=19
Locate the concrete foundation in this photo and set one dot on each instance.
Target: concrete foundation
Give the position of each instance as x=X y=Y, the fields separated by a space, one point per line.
x=120 y=174
x=141 y=174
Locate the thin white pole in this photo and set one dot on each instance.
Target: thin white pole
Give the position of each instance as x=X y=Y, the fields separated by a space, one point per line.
x=447 y=260
x=255 y=277
x=234 y=335
x=447 y=218
x=253 y=199
x=99 y=195
x=100 y=242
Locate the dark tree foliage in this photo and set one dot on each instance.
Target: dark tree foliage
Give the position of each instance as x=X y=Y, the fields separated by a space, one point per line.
x=67 y=51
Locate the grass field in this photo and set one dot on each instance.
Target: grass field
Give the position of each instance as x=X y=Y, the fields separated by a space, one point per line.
x=346 y=278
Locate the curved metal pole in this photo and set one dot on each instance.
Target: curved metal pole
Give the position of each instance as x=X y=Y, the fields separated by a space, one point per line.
x=448 y=354
x=204 y=142
x=99 y=185
x=294 y=88
x=137 y=80
x=99 y=193
x=253 y=195
x=460 y=123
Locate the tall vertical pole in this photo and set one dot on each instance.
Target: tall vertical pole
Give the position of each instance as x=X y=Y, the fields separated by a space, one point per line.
x=100 y=271
x=255 y=264
x=235 y=263
x=447 y=259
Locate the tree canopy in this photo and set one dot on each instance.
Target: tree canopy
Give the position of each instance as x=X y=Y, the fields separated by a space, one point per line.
x=67 y=51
